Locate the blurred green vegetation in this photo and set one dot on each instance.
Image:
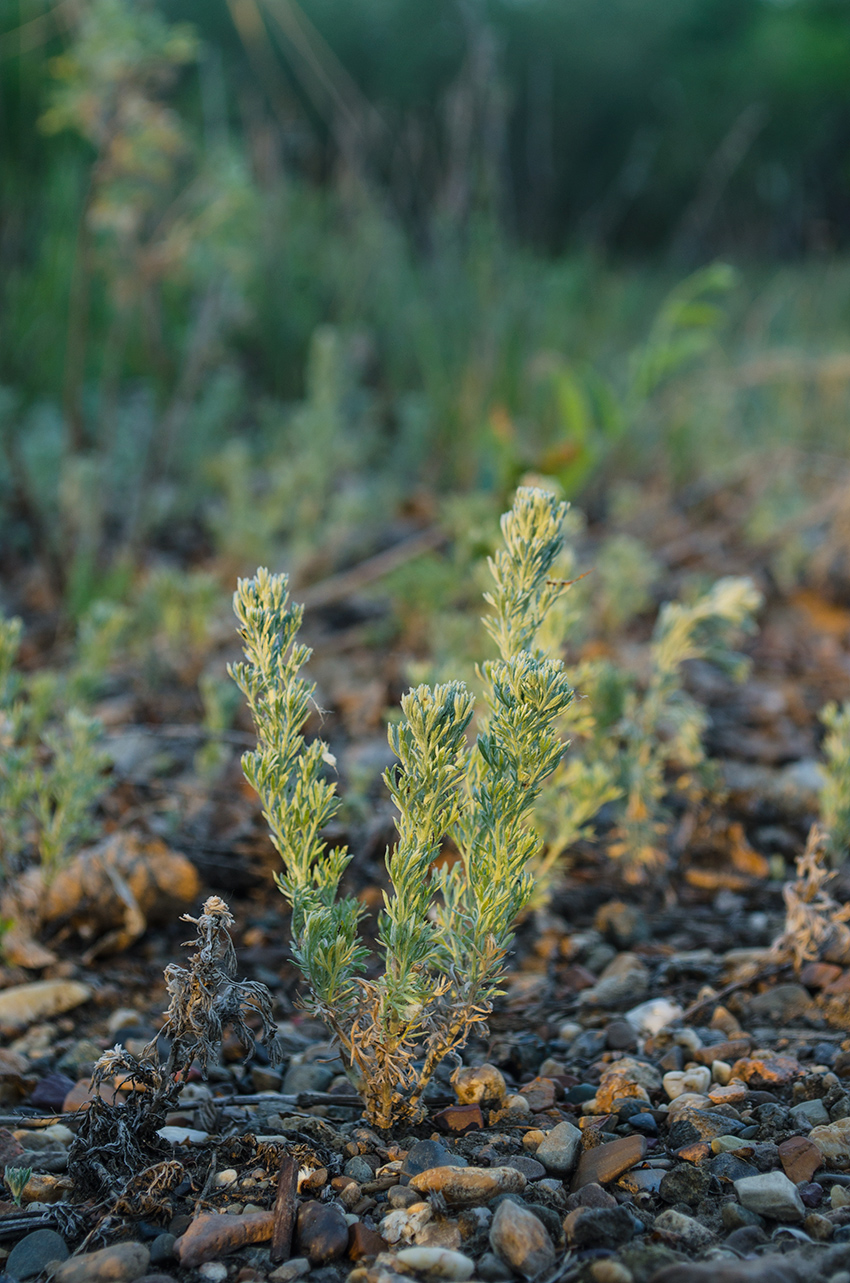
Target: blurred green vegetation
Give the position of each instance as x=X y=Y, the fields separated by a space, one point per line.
x=272 y=276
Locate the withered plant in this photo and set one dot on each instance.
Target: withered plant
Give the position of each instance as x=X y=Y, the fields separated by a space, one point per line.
x=815 y=924
x=117 y=1140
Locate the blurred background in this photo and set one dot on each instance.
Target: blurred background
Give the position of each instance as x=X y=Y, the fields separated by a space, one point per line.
x=278 y=279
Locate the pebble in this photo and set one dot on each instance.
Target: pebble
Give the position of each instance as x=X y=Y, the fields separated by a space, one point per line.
x=438 y=1262
x=653 y=1016
x=771 y=1194
x=605 y=1162
x=23 y=1005
x=697 y=1079
x=685 y=1184
x=402 y=1196
x=521 y=1239
x=690 y=1231
x=559 y=1150
x=307 y=1077
x=479 y=1085
x=530 y=1168
x=492 y=1269
x=213 y=1271
x=227 y=1177
x=321 y=1232
x=800 y=1158
x=625 y=1079
x=608 y=1227
x=215 y=1233
x=121 y=1263
x=162 y=1249
x=833 y=1141
x=405 y=1223
x=363 y=1241
x=466 y=1186
x=182 y=1135
x=426 y=1154
x=34 y=1252
x=610 y=1271
x=359 y=1170
x=292 y=1269
x=810 y=1113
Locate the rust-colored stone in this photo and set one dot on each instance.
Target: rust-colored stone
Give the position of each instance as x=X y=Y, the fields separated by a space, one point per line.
x=364 y=1242
x=730 y=1051
x=460 y=1118
x=214 y=1234
x=767 y=1072
x=540 y=1094
x=697 y=1152
x=800 y=1158
x=817 y=975
x=605 y=1162
x=840 y=985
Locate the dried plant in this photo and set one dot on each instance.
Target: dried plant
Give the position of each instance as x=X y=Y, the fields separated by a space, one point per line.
x=443 y=933
x=815 y=924
x=116 y=1141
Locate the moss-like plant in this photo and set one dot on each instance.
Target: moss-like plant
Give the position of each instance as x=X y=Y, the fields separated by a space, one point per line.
x=443 y=933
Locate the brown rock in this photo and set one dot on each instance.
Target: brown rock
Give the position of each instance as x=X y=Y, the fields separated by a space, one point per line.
x=466 y=1186
x=521 y=1239
x=479 y=1085
x=767 y=1072
x=321 y=1233
x=608 y=1161
x=460 y=1118
x=734 y=1049
x=800 y=1158
x=121 y=1263
x=540 y=1094
x=817 y=975
x=43 y=1188
x=840 y=985
x=364 y=1242
x=217 y=1233
x=10 y=1149
x=23 y=1005
x=697 y=1152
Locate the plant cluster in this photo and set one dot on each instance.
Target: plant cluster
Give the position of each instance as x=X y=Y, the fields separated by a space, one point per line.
x=626 y=735
x=835 y=793
x=444 y=931
x=51 y=765
x=815 y=924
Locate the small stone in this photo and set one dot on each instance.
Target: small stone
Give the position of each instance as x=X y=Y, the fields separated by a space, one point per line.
x=363 y=1241
x=225 y=1178
x=735 y=1217
x=33 y=1254
x=833 y=1141
x=213 y=1271
x=530 y=1168
x=426 y=1154
x=532 y=1138
x=517 y=1104
x=732 y=1093
x=443 y=1233
x=460 y=1118
x=727 y=1144
x=403 y=1224
x=644 y=1123
x=641 y=1180
x=359 y=1170
x=309 y=1076
x=771 y=1071
x=559 y=1150
x=162 y=1249
x=625 y=1079
x=215 y=1233
x=781 y=1005
x=621 y=1035
x=492 y=1269
x=610 y=1271
x=811 y=1193
x=800 y=1158
x=818 y=1227
x=729 y=1168
x=479 y=1085
x=771 y=1194
x=810 y=1113
x=402 y=1196
x=685 y=1184
x=23 y=1005
x=292 y=1269
x=700 y=1124
x=608 y=1161
x=521 y=1239
x=540 y=1094
x=697 y=1079
x=653 y=1016
x=622 y=924
x=121 y=1263
x=607 y=1227
x=721 y=1072
x=79 y=1060
x=590 y=1196
x=466 y=1186
x=50 y=1093
x=321 y=1232
x=437 y=1262
x=182 y=1135
x=692 y=1234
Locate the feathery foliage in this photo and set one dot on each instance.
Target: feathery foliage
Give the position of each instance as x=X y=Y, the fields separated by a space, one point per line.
x=444 y=932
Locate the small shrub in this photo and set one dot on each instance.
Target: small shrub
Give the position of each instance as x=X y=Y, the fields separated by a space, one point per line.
x=444 y=933
x=835 y=794
x=815 y=924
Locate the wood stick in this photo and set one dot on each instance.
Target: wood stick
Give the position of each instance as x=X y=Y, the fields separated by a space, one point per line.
x=284 y=1210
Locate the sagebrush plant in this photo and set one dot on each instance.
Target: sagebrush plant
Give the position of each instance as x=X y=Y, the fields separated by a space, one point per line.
x=51 y=765
x=835 y=792
x=626 y=736
x=443 y=933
